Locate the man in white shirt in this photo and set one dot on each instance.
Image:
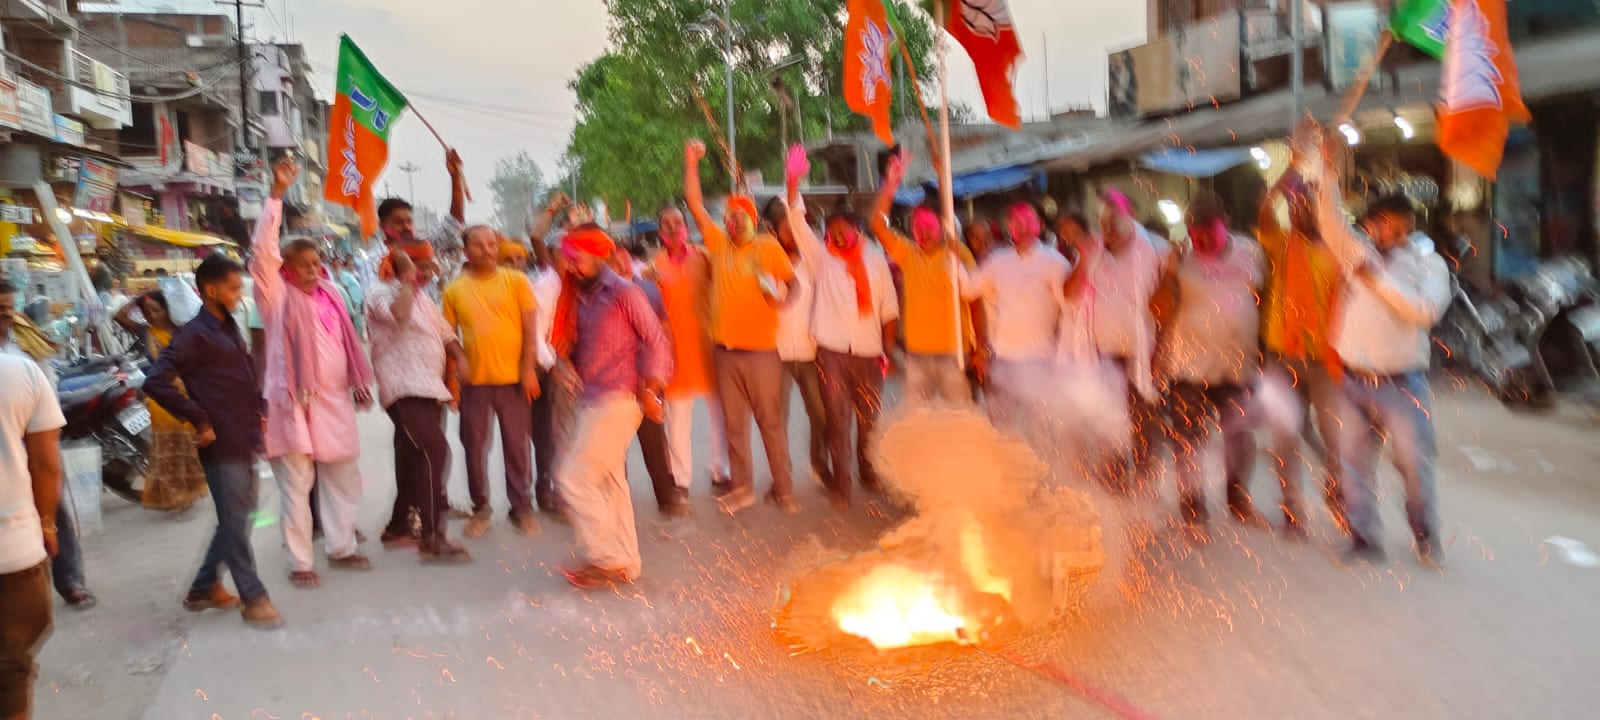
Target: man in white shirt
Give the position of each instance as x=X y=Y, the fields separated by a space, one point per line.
x=796 y=347
x=853 y=321
x=1023 y=283
x=545 y=275
x=1123 y=278
x=1395 y=292
x=30 y=491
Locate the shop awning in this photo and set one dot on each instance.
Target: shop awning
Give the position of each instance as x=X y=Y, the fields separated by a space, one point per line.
x=175 y=237
x=1196 y=163
x=981 y=182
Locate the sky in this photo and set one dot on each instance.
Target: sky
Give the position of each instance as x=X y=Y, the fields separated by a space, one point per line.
x=491 y=75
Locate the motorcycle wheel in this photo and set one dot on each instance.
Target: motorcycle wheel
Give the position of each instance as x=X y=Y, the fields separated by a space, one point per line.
x=124 y=466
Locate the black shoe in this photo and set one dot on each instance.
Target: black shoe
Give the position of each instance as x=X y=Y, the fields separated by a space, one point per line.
x=1362 y=551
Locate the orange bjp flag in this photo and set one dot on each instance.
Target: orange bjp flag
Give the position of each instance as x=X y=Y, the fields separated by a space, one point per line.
x=868 y=44
x=984 y=28
x=1479 y=98
x=364 y=111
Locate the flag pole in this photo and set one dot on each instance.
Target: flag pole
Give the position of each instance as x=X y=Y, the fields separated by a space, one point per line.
x=947 y=201
x=440 y=138
x=1357 y=90
x=736 y=181
x=916 y=88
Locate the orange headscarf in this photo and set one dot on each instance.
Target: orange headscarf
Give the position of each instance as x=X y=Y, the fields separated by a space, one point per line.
x=590 y=240
x=745 y=204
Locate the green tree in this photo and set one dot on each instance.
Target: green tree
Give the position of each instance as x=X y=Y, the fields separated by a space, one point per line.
x=517 y=181
x=636 y=107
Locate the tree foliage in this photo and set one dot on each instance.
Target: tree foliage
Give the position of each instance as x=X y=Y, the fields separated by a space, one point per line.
x=636 y=107
x=517 y=182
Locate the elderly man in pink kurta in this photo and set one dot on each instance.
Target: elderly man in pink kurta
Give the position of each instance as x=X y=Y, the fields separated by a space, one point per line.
x=315 y=378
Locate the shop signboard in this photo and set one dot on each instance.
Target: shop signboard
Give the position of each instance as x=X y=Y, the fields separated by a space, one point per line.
x=1206 y=61
x=1352 y=31
x=9 y=115
x=34 y=110
x=68 y=131
x=97 y=186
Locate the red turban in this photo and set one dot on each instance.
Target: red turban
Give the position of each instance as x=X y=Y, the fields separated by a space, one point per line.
x=589 y=240
x=585 y=240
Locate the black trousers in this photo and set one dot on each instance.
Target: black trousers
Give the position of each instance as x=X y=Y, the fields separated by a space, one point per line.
x=544 y=446
x=852 y=391
x=421 y=459
x=653 y=445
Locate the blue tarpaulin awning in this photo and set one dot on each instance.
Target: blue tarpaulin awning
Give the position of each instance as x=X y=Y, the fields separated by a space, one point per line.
x=981 y=182
x=1196 y=163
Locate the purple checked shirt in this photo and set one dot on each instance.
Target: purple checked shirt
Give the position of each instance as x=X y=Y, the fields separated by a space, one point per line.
x=619 y=338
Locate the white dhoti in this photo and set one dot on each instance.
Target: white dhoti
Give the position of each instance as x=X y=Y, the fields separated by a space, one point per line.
x=339 y=500
x=593 y=478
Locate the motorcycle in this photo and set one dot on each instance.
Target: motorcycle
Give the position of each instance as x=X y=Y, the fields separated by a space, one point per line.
x=101 y=400
x=1539 y=337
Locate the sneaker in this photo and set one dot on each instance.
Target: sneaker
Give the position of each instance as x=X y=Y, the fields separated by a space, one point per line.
x=527 y=525
x=443 y=552
x=353 y=561
x=478 y=524
x=786 y=503
x=261 y=614
x=394 y=541
x=736 y=500
x=214 y=599
x=79 y=598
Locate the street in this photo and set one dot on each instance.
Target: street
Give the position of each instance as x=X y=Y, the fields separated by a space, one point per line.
x=1250 y=626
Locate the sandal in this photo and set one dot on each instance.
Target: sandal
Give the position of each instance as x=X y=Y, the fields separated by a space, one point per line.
x=353 y=561
x=305 y=579
x=590 y=577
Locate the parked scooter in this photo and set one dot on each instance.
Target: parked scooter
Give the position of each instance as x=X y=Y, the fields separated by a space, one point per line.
x=1539 y=337
x=101 y=400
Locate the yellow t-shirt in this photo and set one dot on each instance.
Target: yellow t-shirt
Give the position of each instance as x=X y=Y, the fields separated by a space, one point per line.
x=487 y=314
x=741 y=316
x=929 y=312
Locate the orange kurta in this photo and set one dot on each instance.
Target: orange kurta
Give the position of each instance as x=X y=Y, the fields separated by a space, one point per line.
x=686 y=292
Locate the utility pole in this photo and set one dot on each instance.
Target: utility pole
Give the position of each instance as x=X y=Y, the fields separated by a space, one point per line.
x=246 y=64
x=410 y=169
x=1297 y=73
x=727 y=59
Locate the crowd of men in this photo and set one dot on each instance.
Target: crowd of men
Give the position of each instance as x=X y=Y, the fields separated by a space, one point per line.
x=576 y=348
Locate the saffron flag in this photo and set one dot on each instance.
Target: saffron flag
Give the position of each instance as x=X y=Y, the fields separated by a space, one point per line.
x=1422 y=23
x=985 y=29
x=364 y=111
x=868 y=44
x=1479 y=98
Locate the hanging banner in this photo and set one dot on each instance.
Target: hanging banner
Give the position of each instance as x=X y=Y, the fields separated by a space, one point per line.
x=68 y=131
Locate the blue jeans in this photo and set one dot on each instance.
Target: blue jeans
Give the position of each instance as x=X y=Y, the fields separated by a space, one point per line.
x=233 y=491
x=1399 y=408
x=66 y=568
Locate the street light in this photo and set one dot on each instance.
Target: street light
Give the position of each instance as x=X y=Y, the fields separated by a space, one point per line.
x=410 y=169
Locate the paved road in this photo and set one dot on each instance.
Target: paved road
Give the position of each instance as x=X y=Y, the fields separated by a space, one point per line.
x=1248 y=627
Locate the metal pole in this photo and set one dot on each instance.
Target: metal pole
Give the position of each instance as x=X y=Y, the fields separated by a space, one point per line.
x=1297 y=80
x=727 y=59
x=947 y=200
x=244 y=76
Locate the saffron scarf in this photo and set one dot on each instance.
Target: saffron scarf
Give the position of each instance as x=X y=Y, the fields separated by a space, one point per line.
x=853 y=260
x=564 y=327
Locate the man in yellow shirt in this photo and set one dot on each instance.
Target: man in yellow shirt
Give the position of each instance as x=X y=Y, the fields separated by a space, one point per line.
x=936 y=320
x=493 y=310
x=750 y=276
